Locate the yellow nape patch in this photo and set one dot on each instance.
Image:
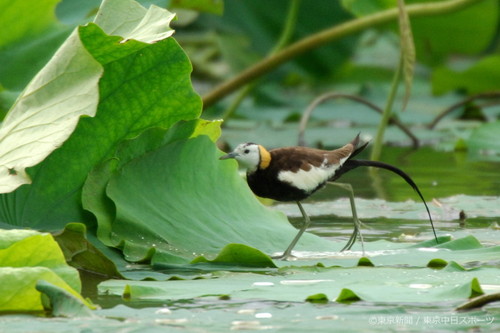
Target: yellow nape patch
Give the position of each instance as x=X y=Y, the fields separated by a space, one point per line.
x=265 y=157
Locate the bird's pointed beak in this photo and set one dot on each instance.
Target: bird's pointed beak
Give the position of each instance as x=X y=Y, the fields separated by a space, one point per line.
x=230 y=155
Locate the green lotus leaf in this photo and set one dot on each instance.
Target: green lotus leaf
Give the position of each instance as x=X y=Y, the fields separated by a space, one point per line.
x=347 y=296
x=28 y=259
x=130 y=20
x=94 y=196
x=365 y=262
x=470 y=289
x=317 y=298
x=240 y=255
x=63 y=303
x=126 y=86
x=47 y=111
x=82 y=254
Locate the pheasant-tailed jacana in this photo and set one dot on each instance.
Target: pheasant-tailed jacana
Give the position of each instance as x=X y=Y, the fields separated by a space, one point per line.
x=294 y=173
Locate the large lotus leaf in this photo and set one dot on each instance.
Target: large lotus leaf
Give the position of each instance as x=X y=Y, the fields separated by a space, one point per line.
x=7 y=238
x=80 y=253
x=376 y=284
x=130 y=20
x=142 y=85
x=35 y=249
x=18 y=287
x=94 y=196
x=181 y=201
x=47 y=111
x=63 y=303
x=25 y=258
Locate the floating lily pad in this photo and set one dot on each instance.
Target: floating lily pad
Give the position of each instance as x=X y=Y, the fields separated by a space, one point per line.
x=374 y=284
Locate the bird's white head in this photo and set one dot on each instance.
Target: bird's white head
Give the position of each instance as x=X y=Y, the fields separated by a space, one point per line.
x=250 y=156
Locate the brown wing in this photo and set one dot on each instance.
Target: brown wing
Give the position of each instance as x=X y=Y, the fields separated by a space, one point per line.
x=295 y=158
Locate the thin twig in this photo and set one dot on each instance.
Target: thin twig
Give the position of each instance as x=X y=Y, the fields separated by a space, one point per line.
x=323 y=37
x=332 y=95
x=486 y=95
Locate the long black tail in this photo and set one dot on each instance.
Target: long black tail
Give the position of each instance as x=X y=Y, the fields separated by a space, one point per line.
x=352 y=164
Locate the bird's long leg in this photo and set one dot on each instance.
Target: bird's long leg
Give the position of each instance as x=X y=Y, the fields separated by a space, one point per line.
x=307 y=222
x=357 y=222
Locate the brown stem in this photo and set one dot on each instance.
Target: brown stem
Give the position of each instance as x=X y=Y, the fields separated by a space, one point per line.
x=323 y=98
x=479 y=301
x=323 y=37
x=486 y=95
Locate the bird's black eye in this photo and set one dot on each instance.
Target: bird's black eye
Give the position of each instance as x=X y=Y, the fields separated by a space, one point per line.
x=246 y=151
